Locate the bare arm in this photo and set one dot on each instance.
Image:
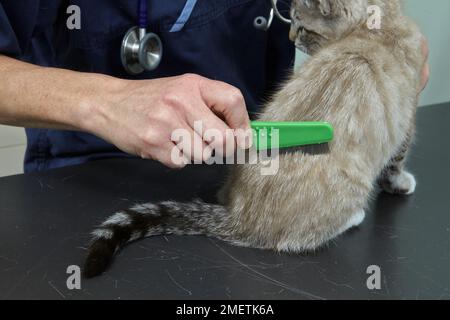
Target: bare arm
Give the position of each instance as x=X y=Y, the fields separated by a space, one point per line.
x=137 y=116
x=37 y=97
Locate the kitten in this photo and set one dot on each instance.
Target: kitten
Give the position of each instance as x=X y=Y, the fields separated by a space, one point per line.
x=365 y=83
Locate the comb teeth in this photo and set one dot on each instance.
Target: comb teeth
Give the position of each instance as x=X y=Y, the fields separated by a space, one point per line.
x=312 y=149
x=291 y=134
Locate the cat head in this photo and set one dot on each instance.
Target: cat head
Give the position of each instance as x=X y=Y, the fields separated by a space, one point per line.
x=316 y=23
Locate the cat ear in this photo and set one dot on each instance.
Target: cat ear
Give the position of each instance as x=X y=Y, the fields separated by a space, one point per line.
x=325 y=7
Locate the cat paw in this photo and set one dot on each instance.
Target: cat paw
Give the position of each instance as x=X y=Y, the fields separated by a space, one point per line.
x=403 y=183
x=355 y=220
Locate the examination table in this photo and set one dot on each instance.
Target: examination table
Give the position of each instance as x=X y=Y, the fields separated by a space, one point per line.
x=45 y=220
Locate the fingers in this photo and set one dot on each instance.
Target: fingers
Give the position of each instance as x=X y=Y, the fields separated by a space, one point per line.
x=193 y=147
x=425 y=76
x=213 y=131
x=168 y=154
x=227 y=102
x=425 y=48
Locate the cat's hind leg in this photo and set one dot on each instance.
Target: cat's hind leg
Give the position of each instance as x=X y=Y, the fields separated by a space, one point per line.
x=311 y=241
x=395 y=179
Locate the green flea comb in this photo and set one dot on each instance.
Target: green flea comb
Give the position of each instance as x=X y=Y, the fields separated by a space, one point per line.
x=291 y=134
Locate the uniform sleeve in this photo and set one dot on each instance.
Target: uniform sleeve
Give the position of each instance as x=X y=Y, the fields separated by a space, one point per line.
x=9 y=44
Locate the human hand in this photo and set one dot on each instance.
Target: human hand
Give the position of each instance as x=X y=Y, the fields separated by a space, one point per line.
x=139 y=117
x=426 y=67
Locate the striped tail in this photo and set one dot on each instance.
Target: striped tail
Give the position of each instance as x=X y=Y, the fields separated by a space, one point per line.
x=141 y=221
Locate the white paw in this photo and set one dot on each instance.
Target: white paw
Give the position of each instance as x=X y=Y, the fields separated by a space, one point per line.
x=354 y=221
x=403 y=183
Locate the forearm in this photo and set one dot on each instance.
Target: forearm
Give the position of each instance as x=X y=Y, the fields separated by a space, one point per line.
x=37 y=97
x=138 y=117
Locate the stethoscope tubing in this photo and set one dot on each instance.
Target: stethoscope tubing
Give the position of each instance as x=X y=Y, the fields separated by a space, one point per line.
x=143 y=14
x=278 y=13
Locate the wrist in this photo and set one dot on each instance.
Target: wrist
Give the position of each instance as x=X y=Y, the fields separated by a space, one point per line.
x=96 y=103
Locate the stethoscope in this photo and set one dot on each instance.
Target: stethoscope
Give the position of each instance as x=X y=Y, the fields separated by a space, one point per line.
x=143 y=51
x=263 y=23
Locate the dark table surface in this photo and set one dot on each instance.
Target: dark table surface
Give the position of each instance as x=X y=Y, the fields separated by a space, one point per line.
x=45 y=219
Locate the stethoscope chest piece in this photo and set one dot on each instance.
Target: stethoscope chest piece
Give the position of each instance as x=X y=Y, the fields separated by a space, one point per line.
x=141 y=51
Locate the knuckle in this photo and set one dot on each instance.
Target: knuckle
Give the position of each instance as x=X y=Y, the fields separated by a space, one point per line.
x=191 y=77
x=169 y=99
x=146 y=138
x=166 y=114
x=235 y=97
x=173 y=102
x=150 y=139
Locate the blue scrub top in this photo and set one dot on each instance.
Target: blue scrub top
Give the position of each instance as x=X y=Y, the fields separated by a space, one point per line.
x=218 y=41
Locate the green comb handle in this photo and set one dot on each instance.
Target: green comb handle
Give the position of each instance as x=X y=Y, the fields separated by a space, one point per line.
x=291 y=134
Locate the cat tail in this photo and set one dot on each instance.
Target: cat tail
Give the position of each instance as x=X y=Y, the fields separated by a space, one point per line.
x=145 y=220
